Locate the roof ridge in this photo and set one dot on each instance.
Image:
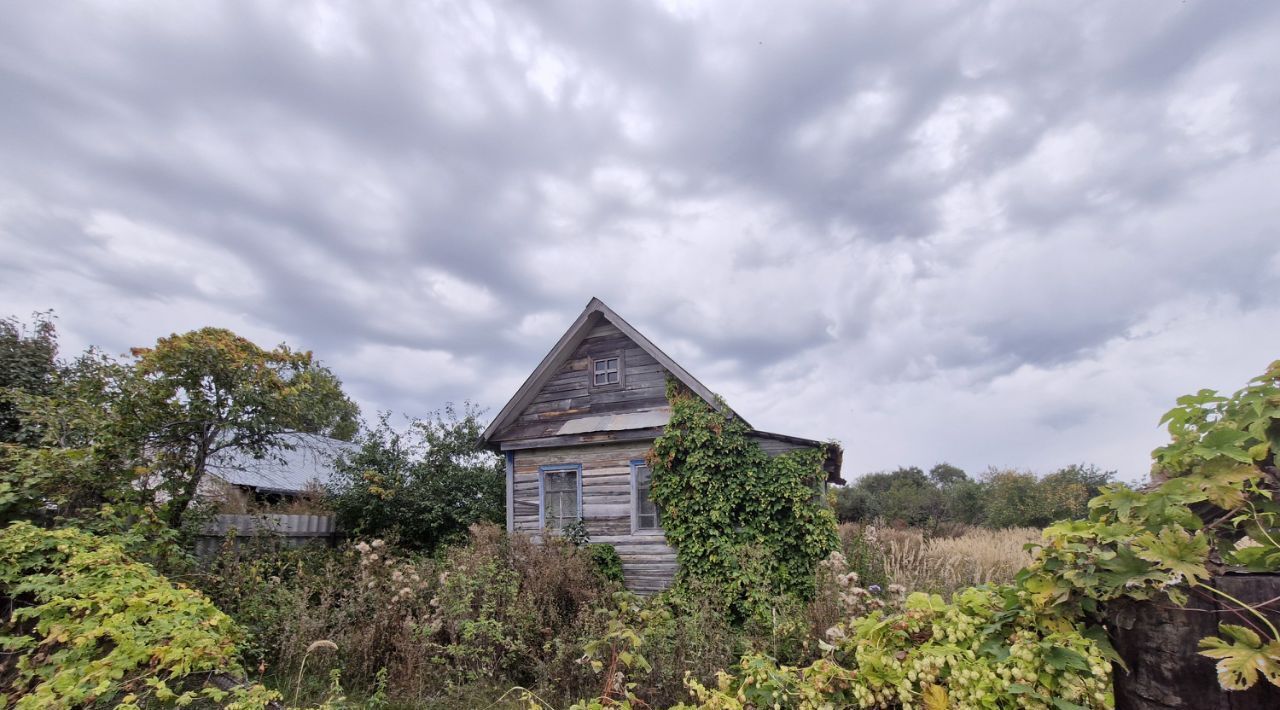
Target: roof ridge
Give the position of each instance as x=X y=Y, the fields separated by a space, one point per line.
x=571 y=338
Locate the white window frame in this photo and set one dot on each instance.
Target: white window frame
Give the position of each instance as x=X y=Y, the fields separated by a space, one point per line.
x=636 y=464
x=576 y=469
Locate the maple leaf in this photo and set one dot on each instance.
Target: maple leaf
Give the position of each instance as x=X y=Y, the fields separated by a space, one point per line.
x=1243 y=658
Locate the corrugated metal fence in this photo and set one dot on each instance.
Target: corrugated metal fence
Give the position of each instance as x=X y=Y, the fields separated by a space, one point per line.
x=285 y=530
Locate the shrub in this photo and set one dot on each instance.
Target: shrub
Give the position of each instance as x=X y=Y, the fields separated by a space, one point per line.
x=980 y=650
x=422 y=488
x=607 y=561
x=497 y=612
x=91 y=625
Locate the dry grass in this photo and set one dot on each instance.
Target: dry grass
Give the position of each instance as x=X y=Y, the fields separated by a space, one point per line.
x=945 y=564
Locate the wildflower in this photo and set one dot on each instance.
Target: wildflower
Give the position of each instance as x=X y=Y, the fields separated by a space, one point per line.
x=897 y=589
x=362 y=547
x=377 y=544
x=874 y=589
x=373 y=557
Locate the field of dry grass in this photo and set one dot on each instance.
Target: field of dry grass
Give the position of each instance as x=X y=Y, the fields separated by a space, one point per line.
x=944 y=564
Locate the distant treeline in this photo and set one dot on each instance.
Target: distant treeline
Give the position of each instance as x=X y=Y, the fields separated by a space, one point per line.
x=946 y=494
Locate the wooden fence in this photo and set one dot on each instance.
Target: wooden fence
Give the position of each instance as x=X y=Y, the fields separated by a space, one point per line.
x=285 y=530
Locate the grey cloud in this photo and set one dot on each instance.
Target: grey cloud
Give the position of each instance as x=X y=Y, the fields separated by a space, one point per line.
x=815 y=188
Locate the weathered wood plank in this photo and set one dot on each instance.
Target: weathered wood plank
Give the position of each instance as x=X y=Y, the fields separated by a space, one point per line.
x=568 y=394
x=649 y=563
x=1158 y=641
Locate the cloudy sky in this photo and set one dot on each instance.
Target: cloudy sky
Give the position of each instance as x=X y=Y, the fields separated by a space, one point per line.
x=1000 y=233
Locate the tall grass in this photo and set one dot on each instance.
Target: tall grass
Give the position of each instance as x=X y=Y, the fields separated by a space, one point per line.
x=945 y=563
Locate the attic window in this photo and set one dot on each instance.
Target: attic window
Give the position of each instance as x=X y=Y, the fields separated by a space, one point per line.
x=607 y=371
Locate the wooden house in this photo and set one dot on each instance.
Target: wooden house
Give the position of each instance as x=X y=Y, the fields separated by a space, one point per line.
x=575 y=437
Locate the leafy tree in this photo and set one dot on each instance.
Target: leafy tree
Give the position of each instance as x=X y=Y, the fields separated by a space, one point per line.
x=854 y=504
x=905 y=494
x=28 y=365
x=964 y=502
x=194 y=395
x=424 y=486
x=944 y=475
x=903 y=477
x=1013 y=499
x=75 y=455
x=106 y=444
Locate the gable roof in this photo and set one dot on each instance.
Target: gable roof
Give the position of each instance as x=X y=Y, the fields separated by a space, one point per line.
x=591 y=316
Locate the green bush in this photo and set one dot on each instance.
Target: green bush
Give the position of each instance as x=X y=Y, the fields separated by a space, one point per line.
x=422 y=488
x=90 y=625
x=983 y=649
x=606 y=560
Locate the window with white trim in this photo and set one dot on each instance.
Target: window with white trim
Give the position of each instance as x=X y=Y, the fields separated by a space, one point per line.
x=560 y=497
x=647 y=514
x=607 y=371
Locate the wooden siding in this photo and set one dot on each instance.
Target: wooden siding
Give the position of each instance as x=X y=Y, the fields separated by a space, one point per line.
x=569 y=394
x=773 y=447
x=648 y=563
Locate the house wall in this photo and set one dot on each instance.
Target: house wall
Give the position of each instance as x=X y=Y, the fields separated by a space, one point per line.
x=648 y=562
x=568 y=395
x=774 y=447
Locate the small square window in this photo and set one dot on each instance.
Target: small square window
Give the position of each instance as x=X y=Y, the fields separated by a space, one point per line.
x=607 y=371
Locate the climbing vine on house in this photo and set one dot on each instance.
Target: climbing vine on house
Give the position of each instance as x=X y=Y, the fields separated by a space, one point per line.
x=752 y=524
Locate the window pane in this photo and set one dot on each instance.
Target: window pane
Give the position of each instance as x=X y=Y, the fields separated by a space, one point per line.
x=648 y=516
x=613 y=377
x=561 y=481
x=560 y=498
x=602 y=365
x=601 y=378
x=568 y=508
